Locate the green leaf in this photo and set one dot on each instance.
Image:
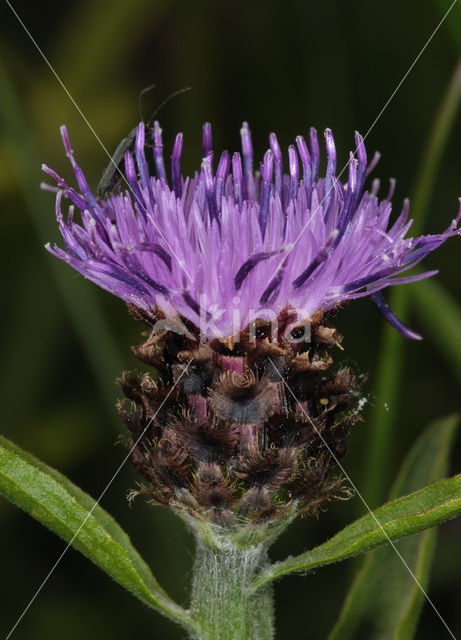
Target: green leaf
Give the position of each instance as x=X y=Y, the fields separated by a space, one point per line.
x=413 y=513
x=385 y=601
x=62 y=507
x=440 y=315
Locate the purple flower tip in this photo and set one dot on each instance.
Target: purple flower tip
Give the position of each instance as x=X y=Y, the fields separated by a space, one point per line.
x=303 y=150
x=237 y=167
x=157 y=134
x=330 y=141
x=361 y=151
x=267 y=167
x=130 y=168
x=352 y=176
x=293 y=161
x=247 y=151
x=140 y=136
x=280 y=241
x=275 y=147
x=247 y=146
x=66 y=142
x=176 y=165
x=177 y=148
x=208 y=173
x=207 y=139
x=315 y=149
x=223 y=166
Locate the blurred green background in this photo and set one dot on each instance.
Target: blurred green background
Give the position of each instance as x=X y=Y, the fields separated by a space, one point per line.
x=283 y=67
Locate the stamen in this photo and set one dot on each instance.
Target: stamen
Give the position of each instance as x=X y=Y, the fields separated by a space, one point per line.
x=142 y=164
x=71 y=193
x=355 y=285
x=90 y=200
x=200 y=196
x=71 y=242
x=210 y=188
x=158 y=251
x=392 y=318
x=278 y=161
x=316 y=262
x=352 y=179
x=221 y=176
x=176 y=166
x=390 y=193
x=375 y=187
x=349 y=204
x=426 y=245
x=315 y=153
x=373 y=163
x=158 y=152
x=79 y=176
x=331 y=168
x=238 y=179
x=402 y=219
x=49 y=187
x=130 y=174
x=362 y=165
x=406 y=209
x=272 y=289
x=247 y=151
x=207 y=140
x=130 y=277
x=294 y=172
x=249 y=265
x=267 y=170
x=152 y=283
x=307 y=170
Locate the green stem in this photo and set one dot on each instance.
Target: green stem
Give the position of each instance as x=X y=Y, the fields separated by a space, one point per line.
x=389 y=376
x=222 y=603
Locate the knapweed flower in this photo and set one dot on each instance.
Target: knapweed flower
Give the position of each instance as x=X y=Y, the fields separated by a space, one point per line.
x=244 y=424
x=222 y=248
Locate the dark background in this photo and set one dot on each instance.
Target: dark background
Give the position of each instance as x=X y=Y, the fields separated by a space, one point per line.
x=283 y=67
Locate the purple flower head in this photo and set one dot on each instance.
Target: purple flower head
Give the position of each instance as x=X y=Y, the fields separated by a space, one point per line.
x=231 y=244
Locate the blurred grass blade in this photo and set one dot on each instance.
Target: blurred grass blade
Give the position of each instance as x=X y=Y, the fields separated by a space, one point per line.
x=102 y=22
x=432 y=155
x=413 y=513
x=392 y=351
x=453 y=22
x=384 y=598
x=62 y=507
x=80 y=298
x=440 y=315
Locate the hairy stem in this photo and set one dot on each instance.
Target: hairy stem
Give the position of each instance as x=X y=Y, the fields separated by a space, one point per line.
x=222 y=604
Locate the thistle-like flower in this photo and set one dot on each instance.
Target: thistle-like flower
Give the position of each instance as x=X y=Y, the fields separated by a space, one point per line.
x=235 y=272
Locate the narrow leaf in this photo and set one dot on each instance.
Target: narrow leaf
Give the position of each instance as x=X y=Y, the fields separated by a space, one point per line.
x=413 y=513
x=385 y=600
x=62 y=507
x=392 y=350
x=82 y=302
x=452 y=21
x=440 y=316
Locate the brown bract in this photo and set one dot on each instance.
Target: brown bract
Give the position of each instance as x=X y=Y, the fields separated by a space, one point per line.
x=240 y=430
